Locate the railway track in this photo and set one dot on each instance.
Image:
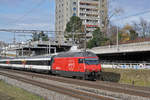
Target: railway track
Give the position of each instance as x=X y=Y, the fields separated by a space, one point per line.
x=113 y=87
x=66 y=91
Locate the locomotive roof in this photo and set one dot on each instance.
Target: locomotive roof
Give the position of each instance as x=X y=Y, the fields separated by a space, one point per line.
x=76 y=54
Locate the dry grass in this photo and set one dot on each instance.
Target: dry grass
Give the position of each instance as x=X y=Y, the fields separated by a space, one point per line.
x=8 y=92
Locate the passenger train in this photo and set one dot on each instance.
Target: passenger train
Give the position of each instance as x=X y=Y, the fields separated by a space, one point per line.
x=71 y=64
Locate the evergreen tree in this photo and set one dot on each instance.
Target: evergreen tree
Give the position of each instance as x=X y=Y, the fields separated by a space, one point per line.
x=73 y=29
x=40 y=36
x=98 y=39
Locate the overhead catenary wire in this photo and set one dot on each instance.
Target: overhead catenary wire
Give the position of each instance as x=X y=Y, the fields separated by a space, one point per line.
x=133 y=15
x=21 y=18
x=26 y=14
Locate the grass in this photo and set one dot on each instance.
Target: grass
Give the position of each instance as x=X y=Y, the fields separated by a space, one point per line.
x=130 y=76
x=8 y=92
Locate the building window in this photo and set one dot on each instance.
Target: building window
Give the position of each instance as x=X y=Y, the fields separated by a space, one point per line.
x=74 y=3
x=74 y=9
x=74 y=14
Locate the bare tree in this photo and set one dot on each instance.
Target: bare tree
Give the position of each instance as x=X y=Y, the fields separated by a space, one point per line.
x=112 y=13
x=142 y=28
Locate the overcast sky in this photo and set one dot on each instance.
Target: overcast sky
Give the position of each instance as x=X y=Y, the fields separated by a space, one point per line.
x=40 y=14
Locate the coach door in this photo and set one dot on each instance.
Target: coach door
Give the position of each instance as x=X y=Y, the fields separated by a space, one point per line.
x=24 y=63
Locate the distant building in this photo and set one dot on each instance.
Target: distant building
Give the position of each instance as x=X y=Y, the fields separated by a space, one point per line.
x=92 y=12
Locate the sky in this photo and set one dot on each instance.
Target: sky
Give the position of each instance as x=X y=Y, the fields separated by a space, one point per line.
x=133 y=10
x=40 y=15
x=27 y=15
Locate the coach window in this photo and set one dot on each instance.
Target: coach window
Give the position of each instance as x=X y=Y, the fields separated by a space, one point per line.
x=15 y=62
x=3 y=62
x=45 y=62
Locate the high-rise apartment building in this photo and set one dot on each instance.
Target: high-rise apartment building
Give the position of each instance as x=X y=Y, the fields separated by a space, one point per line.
x=92 y=12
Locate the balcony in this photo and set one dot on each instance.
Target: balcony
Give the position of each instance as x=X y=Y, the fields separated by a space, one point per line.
x=89 y=1
x=88 y=6
x=89 y=12
x=90 y=18
x=91 y=23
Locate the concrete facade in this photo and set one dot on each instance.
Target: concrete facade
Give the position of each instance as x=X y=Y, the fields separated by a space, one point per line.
x=92 y=12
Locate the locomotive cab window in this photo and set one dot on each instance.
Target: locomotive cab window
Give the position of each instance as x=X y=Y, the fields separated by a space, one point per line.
x=81 y=60
x=2 y=62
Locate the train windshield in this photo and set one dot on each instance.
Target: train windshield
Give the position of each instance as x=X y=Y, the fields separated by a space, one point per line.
x=91 y=61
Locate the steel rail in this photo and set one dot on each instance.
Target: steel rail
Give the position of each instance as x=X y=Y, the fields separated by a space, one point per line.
x=113 y=87
x=66 y=91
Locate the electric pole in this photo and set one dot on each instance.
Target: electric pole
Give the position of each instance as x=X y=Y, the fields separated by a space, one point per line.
x=14 y=40
x=85 y=38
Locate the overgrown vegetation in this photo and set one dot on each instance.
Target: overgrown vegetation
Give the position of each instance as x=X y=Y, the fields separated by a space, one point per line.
x=8 y=92
x=128 y=76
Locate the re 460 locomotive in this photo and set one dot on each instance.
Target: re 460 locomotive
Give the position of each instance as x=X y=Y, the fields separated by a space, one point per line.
x=71 y=64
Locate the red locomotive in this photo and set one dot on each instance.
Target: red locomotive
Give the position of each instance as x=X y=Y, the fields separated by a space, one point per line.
x=77 y=64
